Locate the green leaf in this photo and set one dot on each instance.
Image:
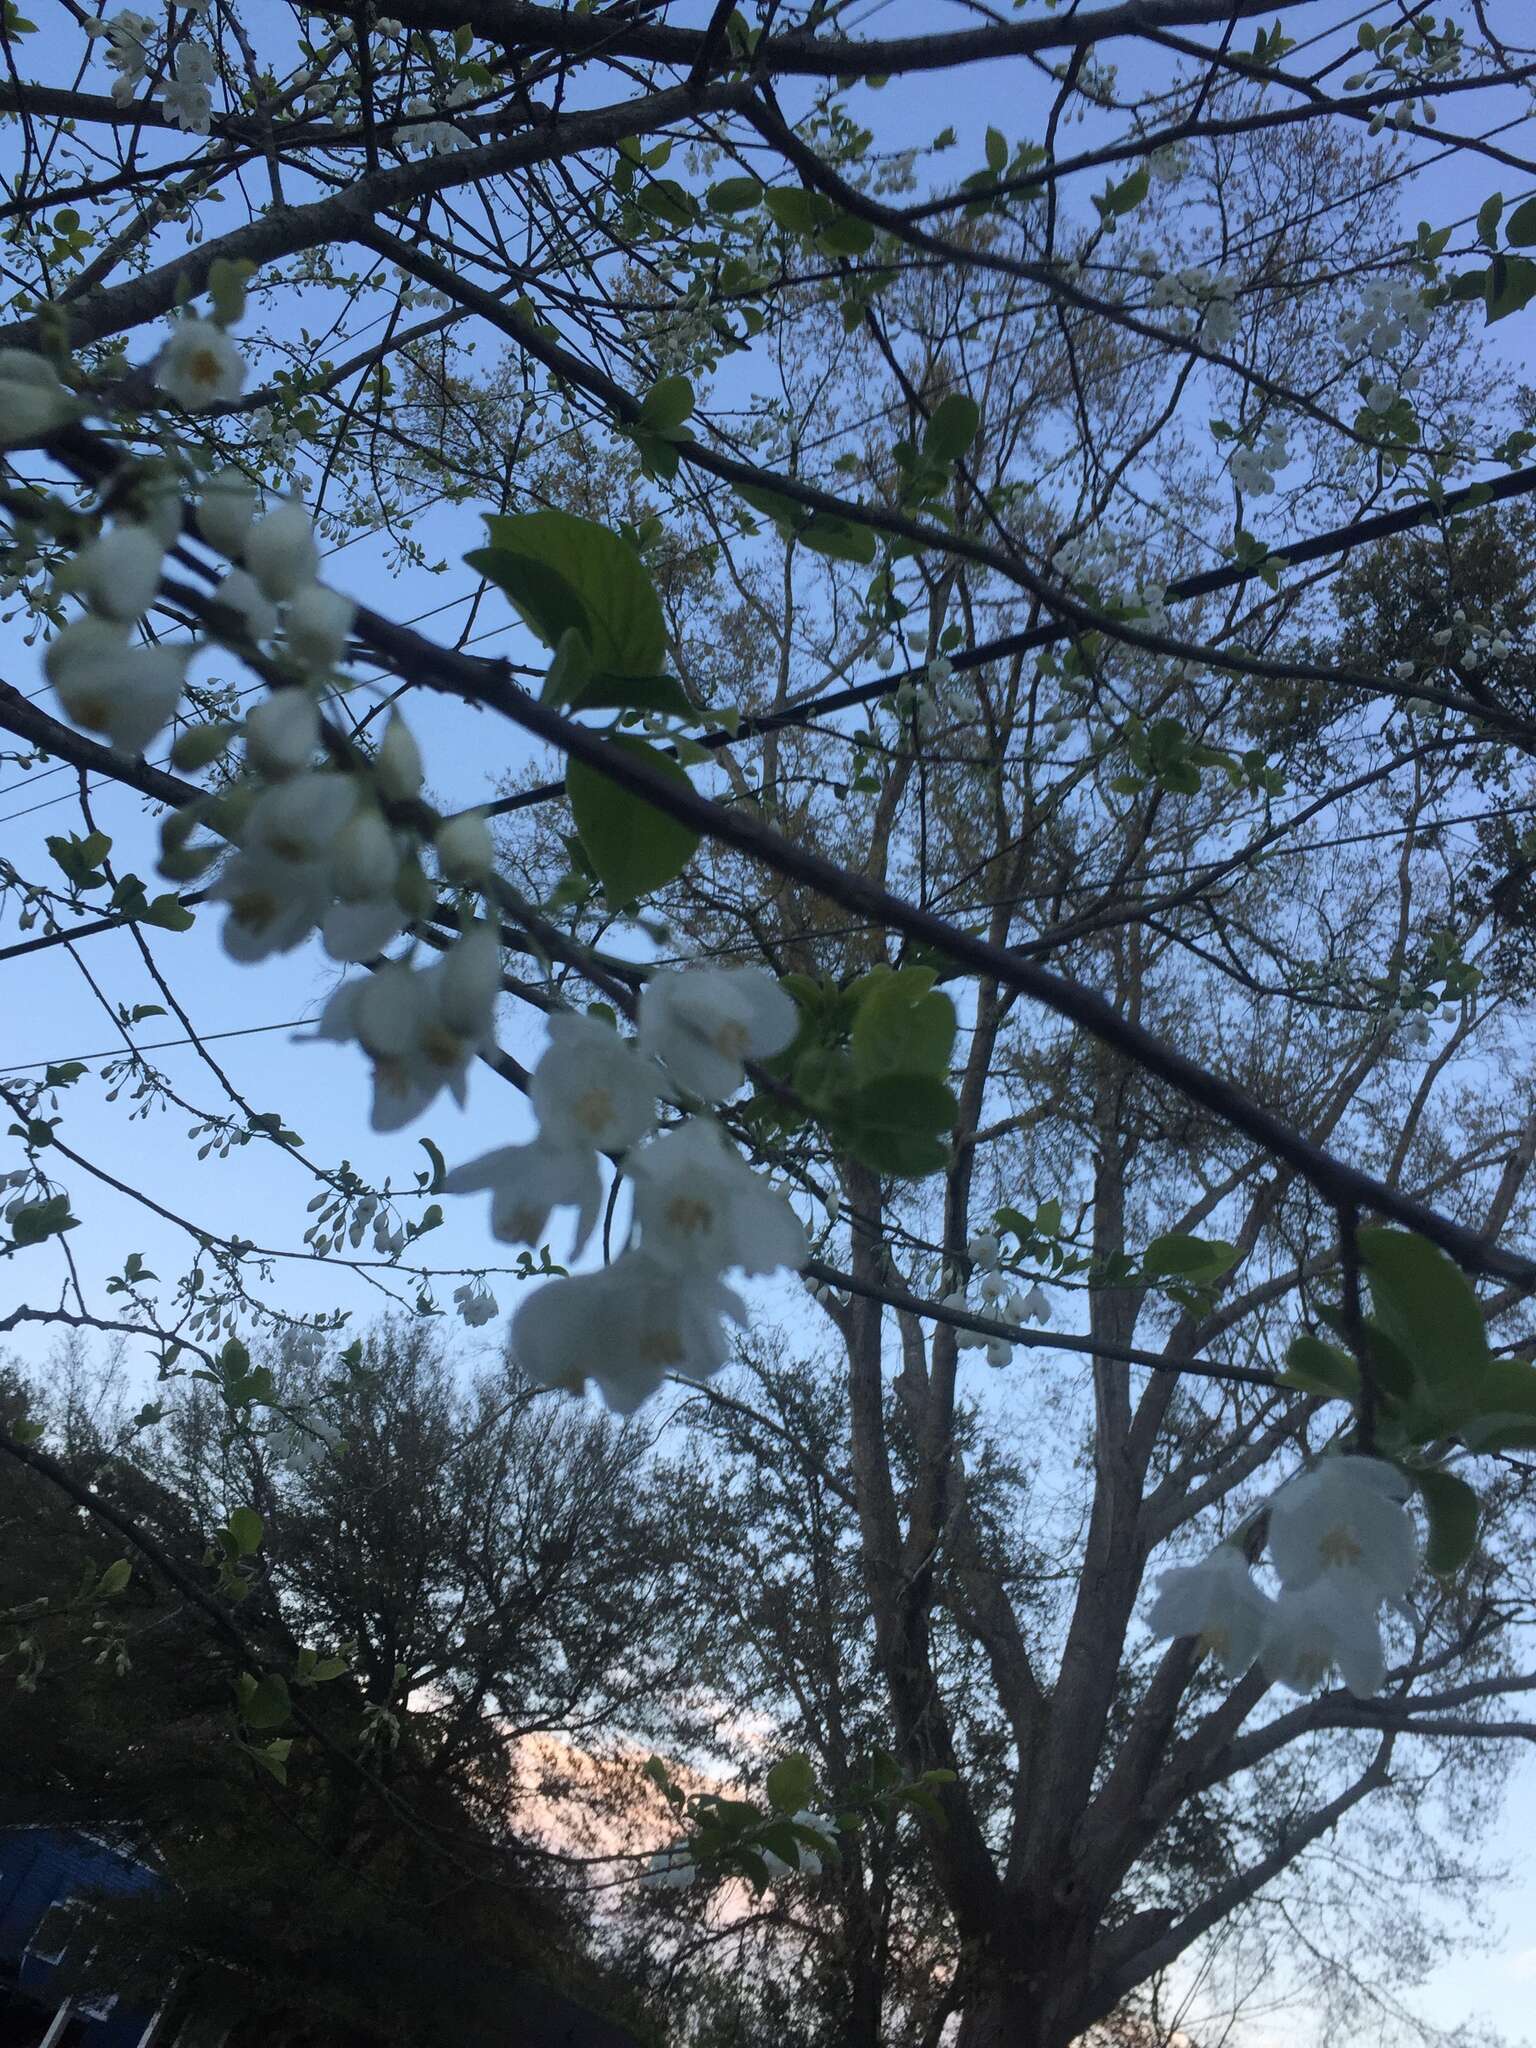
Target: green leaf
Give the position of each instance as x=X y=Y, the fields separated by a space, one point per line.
x=565 y=573
x=843 y=542
x=1319 y=1368
x=1424 y=1304
x=272 y=1757
x=903 y=1027
x=245 y=1527
x=264 y=1702
x=1196 y=1259
x=1520 y=228
x=952 y=428
x=894 y=1123
x=1488 y=215
x=169 y=913
x=634 y=847
x=1511 y=285
x=666 y=405
x=1452 y=1508
x=735 y=195
x=115 y=1578
x=846 y=235
x=997 y=150
x=794 y=208
x=791 y=1784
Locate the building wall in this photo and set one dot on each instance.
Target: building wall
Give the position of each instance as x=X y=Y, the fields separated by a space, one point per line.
x=43 y=1867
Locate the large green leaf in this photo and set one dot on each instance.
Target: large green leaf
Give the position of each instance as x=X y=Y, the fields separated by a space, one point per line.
x=1199 y=1260
x=1453 y=1510
x=562 y=572
x=1425 y=1305
x=634 y=846
x=791 y=1784
x=952 y=428
x=894 y=1124
x=903 y=1027
x=1320 y=1368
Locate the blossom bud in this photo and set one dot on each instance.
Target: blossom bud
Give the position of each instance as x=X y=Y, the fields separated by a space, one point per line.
x=119 y=573
x=281 y=553
x=32 y=400
x=317 y=626
x=465 y=849
x=226 y=510
x=282 y=732
x=397 y=765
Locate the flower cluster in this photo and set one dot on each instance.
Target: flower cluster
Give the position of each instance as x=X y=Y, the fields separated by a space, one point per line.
x=1389 y=309
x=128 y=37
x=1197 y=292
x=940 y=696
x=700 y=1209
x=187 y=96
x=1341 y=1542
x=999 y=1299
x=1255 y=468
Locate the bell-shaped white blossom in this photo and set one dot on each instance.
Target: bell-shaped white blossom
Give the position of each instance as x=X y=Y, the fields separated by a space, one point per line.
x=983 y=1249
x=591 y=1088
x=189 y=104
x=670 y=1869
x=365 y=861
x=705 y=1023
x=466 y=851
x=226 y=510
x=240 y=593
x=282 y=733
x=1219 y=1601
x=118 y=573
x=625 y=1328
x=317 y=624
x=1345 y=1514
x=999 y=1352
x=397 y=765
x=301 y=819
x=476 y=1303
x=420 y=1027
x=280 y=551
x=200 y=366
x=32 y=400
x=528 y=1183
x=1036 y=1305
x=1332 y=1620
x=274 y=904
x=701 y=1208
x=807 y=1860
x=128 y=694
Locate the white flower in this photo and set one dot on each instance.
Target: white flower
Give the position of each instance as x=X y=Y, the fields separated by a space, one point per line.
x=274 y=904
x=465 y=849
x=282 y=732
x=529 y=1182
x=624 y=1328
x=983 y=1249
x=118 y=574
x=194 y=63
x=1218 y=1601
x=364 y=858
x=300 y=820
x=225 y=510
x=1035 y=1307
x=477 y=1304
x=244 y=596
x=670 y=1869
x=591 y=1088
x=420 y=1026
x=1332 y=1620
x=701 y=1208
x=361 y=929
x=128 y=34
x=994 y=1286
x=999 y=1352
x=200 y=365
x=128 y=694
x=1346 y=1514
x=189 y=104
x=280 y=550
x=704 y=1023
x=317 y=624
x=397 y=765
x=32 y=400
